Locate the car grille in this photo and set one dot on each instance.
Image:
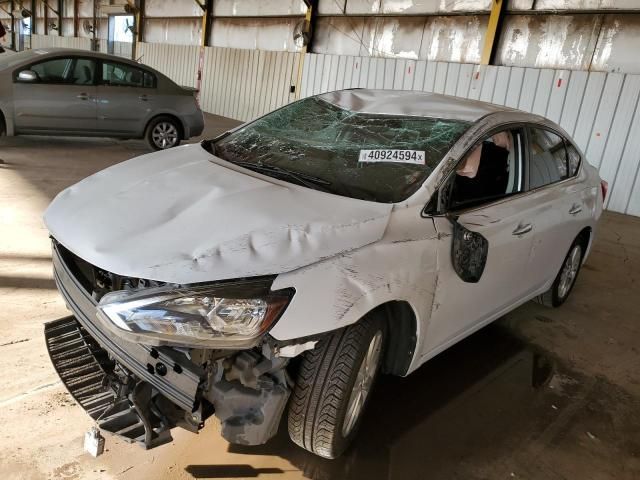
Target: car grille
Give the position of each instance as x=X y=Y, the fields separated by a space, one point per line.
x=180 y=385
x=98 y=282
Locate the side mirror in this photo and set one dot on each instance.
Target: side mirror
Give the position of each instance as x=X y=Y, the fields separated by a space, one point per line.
x=468 y=252
x=28 y=76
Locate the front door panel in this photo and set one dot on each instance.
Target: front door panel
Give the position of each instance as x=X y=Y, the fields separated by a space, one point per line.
x=461 y=306
x=59 y=108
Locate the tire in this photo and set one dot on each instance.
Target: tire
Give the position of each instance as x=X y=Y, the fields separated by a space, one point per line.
x=328 y=377
x=566 y=278
x=163 y=132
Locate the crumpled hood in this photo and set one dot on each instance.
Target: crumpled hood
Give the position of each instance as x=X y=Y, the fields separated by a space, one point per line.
x=185 y=216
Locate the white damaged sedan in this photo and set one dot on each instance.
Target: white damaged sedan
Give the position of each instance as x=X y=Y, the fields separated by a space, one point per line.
x=281 y=267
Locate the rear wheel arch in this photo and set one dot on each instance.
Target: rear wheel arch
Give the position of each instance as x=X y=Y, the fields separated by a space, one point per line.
x=555 y=296
x=168 y=115
x=584 y=238
x=163 y=118
x=3 y=124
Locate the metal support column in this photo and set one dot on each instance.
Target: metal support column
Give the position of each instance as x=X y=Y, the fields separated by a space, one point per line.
x=95 y=45
x=14 y=40
x=76 y=18
x=309 y=27
x=207 y=21
x=493 y=32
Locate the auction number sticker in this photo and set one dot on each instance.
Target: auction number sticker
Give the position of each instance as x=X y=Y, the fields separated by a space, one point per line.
x=401 y=156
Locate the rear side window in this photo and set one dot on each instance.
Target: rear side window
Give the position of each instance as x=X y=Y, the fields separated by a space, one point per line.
x=121 y=75
x=548 y=159
x=574 y=159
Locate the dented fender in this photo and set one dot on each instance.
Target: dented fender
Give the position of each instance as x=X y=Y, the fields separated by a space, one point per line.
x=402 y=266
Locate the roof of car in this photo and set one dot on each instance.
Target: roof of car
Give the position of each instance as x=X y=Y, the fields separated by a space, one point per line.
x=41 y=52
x=410 y=103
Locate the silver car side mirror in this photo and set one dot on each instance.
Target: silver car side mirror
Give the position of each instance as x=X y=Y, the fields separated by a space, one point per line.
x=28 y=76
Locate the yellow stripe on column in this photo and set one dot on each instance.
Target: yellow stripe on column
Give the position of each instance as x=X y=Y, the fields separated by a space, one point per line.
x=492 y=27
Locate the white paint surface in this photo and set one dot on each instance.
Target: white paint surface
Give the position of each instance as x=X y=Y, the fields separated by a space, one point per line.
x=183 y=216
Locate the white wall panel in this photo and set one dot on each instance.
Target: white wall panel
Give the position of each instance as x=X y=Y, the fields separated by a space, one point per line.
x=258 y=8
x=178 y=62
x=245 y=84
x=44 y=41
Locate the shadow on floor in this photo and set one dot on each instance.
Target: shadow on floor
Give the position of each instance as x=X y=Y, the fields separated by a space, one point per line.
x=27 y=283
x=467 y=401
x=229 y=471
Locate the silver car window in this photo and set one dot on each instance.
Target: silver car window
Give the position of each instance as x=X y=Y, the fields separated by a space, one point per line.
x=574 y=159
x=121 y=75
x=54 y=71
x=83 y=71
x=548 y=159
x=491 y=170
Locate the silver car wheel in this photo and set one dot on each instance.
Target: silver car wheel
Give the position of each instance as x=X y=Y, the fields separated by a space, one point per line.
x=164 y=135
x=362 y=386
x=569 y=271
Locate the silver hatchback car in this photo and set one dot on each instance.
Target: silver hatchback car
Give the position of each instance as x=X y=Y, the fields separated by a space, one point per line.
x=76 y=92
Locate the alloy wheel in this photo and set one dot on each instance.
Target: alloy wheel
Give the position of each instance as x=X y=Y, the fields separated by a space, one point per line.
x=569 y=271
x=364 y=381
x=164 y=135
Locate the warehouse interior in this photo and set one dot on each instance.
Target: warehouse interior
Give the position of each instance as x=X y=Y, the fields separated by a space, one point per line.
x=539 y=394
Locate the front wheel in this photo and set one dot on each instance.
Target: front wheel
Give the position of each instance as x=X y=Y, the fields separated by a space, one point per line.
x=566 y=278
x=163 y=132
x=333 y=387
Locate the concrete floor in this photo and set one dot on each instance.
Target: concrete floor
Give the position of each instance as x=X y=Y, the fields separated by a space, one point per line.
x=541 y=394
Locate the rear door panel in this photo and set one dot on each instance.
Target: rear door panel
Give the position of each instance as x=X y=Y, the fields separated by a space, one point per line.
x=123 y=108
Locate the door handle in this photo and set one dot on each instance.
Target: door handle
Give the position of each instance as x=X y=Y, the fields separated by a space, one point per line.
x=522 y=229
x=144 y=98
x=83 y=96
x=575 y=209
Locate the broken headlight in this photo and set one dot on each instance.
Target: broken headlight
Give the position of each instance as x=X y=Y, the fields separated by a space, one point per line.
x=193 y=317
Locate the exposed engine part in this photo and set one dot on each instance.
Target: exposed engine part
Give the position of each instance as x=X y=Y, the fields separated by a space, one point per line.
x=249 y=392
x=290 y=351
x=249 y=366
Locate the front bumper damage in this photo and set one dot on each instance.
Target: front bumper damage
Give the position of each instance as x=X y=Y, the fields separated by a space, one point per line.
x=141 y=392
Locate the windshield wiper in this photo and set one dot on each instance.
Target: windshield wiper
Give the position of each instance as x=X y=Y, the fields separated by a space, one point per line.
x=303 y=179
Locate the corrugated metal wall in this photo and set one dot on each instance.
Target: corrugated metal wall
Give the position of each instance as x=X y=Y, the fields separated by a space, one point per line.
x=600 y=110
x=244 y=84
x=178 y=62
x=43 y=41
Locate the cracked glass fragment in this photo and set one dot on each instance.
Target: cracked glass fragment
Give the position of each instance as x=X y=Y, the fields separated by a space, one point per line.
x=317 y=144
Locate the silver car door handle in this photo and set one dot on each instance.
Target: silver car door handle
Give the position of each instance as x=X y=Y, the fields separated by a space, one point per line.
x=522 y=229
x=575 y=209
x=83 y=96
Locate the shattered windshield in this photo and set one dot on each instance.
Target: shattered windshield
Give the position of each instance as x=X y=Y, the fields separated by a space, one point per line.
x=381 y=158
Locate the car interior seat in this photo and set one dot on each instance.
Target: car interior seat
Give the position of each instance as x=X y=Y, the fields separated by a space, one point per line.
x=491 y=177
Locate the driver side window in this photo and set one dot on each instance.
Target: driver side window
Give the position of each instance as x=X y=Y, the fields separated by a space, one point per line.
x=53 y=71
x=491 y=170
